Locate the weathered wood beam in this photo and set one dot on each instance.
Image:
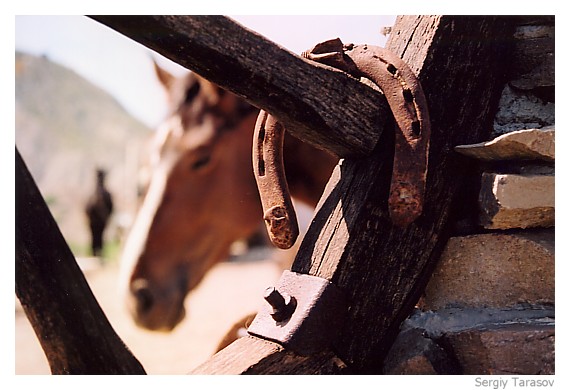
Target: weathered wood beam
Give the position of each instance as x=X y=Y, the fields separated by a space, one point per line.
x=322 y=106
x=72 y=329
x=382 y=268
x=251 y=355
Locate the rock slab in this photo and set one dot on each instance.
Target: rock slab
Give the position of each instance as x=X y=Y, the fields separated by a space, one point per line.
x=508 y=201
x=494 y=270
x=529 y=144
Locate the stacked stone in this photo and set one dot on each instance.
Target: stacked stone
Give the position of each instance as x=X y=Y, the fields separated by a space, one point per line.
x=489 y=306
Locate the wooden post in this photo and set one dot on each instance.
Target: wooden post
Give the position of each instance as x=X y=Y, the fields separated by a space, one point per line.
x=72 y=329
x=384 y=269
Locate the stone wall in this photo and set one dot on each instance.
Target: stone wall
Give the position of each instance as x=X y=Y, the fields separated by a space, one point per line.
x=489 y=306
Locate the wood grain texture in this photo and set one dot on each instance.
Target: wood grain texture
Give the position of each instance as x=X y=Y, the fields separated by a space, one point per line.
x=72 y=329
x=251 y=355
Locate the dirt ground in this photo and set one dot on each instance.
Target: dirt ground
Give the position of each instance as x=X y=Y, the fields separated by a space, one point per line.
x=209 y=315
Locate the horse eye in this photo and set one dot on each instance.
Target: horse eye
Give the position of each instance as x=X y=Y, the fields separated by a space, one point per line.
x=200 y=163
x=192 y=92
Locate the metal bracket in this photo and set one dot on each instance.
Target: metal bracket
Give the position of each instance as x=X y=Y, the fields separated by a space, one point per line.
x=303 y=312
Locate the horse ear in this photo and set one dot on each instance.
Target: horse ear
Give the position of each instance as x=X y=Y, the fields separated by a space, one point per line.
x=164 y=76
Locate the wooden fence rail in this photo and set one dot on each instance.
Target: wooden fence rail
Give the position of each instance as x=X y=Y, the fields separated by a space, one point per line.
x=318 y=104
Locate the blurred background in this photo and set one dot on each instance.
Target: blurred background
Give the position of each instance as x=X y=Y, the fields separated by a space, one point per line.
x=87 y=98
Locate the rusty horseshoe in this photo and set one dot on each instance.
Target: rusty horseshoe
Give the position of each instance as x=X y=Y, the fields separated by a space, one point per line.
x=278 y=212
x=408 y=104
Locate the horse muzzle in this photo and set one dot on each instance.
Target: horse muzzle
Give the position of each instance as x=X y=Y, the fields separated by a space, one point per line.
x=154 y=308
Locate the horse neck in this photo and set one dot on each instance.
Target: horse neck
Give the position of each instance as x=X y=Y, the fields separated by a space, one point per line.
x=308 y=170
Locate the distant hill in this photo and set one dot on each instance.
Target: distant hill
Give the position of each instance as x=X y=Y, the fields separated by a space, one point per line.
x=65 y=128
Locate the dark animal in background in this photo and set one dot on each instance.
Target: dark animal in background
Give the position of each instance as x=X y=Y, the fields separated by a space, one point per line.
x=99 y=209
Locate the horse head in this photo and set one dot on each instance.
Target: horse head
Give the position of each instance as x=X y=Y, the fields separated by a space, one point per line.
x=202 y=197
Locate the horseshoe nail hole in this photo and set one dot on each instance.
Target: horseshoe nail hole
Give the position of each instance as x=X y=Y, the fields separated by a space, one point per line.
x=261 y=136
x=278 y=212
x=416 y=128
x=261 y=160
x=408 y=95
x=391 y=68
x=261 y=167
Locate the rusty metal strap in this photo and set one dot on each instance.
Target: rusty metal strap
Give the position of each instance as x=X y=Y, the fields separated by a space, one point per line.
x=278 y=211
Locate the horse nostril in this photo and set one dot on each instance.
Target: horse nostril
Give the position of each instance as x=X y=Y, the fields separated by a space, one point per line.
x=144 y=300
x=143 y=296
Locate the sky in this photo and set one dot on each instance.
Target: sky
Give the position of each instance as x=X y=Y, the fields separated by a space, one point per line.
x=124 y=68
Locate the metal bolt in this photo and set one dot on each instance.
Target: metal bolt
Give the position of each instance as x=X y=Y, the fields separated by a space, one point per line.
x=283 y=305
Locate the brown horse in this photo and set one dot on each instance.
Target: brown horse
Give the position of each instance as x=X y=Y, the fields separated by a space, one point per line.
x=202 y=196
